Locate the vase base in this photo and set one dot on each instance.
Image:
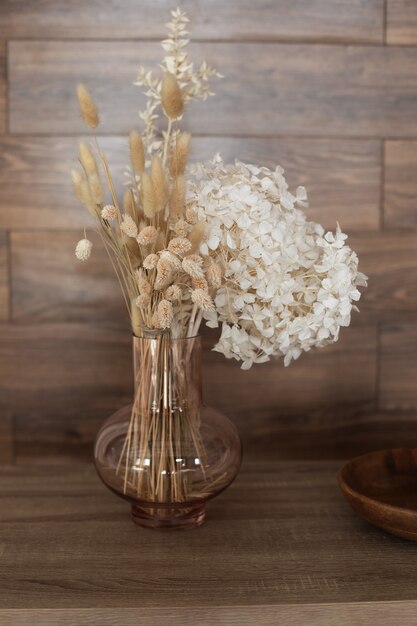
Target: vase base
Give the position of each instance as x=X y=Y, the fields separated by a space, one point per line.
x=169 y=519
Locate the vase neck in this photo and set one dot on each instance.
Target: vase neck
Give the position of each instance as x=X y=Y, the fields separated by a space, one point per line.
x=167 y=373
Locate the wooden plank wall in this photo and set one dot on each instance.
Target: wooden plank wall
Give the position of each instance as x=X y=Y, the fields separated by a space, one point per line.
x=326 y=88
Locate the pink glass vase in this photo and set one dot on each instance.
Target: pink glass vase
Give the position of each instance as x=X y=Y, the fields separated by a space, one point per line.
x=167 y=453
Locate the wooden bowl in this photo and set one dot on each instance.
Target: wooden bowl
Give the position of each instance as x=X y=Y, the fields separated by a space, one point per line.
x=382 y=488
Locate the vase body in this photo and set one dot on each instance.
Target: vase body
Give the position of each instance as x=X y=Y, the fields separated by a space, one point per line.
x=167 y=453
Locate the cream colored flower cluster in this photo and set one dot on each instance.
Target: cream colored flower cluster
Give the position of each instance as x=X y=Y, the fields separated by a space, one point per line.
x=289 y=285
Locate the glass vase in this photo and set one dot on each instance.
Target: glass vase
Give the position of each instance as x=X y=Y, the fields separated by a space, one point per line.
x=167 y=453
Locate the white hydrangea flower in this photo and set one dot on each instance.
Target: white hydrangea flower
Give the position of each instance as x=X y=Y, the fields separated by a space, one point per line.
x=289 y=286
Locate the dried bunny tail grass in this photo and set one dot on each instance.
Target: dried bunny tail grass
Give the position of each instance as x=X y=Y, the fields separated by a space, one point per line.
x=173 y=293
x=147 y=236
x=159 y=183
x=148 y=195
x=171 y=96
x=192 y=268
x=191 y=216
x=83 y=193
x=129 y=205
x=109 y=212
x=142 y=282
x=88 y=160
x=197 y=235
x=200 y=283
x=180 y=154
x=137 y=153
x=150 y=262
x=202 y=299
x=129 y=227
x=83 y=249
x=164 y=274
x=214 y=274
x=87 y=106
x=96 y=188
x=165 y=314
x=177 y=199
x=179 y=245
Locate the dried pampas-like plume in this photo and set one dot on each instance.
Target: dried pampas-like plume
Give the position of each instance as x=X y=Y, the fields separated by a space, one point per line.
x=96 y=189
x=87 y=160
x=129 y=205
x=172 y=100
x=148 y=195
x=87 y=106
x=82 y=191
x=180 y=154
x=165 y=314
x=177 y=199
x=159 y=183
x=137 y=155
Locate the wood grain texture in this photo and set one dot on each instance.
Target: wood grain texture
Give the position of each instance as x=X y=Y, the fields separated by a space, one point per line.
x=320 y=20
x=398 y=367
x=6 y=435
x=342 y=176
x=51 y=285
x=317 y=614
x=61 y=381
x=3 y=121
x=400 y=183
x=4 y=277
x=296 y=89
x=256 y=548
x=388 y=258
x=381 y=488
x=401 y=22
x=73 y=376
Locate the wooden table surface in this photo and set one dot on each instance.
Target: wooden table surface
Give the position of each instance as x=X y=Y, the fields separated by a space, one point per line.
x=280 y=547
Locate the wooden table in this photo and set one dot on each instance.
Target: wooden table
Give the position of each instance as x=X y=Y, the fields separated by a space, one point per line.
x=280 y=547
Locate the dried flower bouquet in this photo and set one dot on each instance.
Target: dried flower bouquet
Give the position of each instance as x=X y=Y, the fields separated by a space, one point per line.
x=229 y=244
